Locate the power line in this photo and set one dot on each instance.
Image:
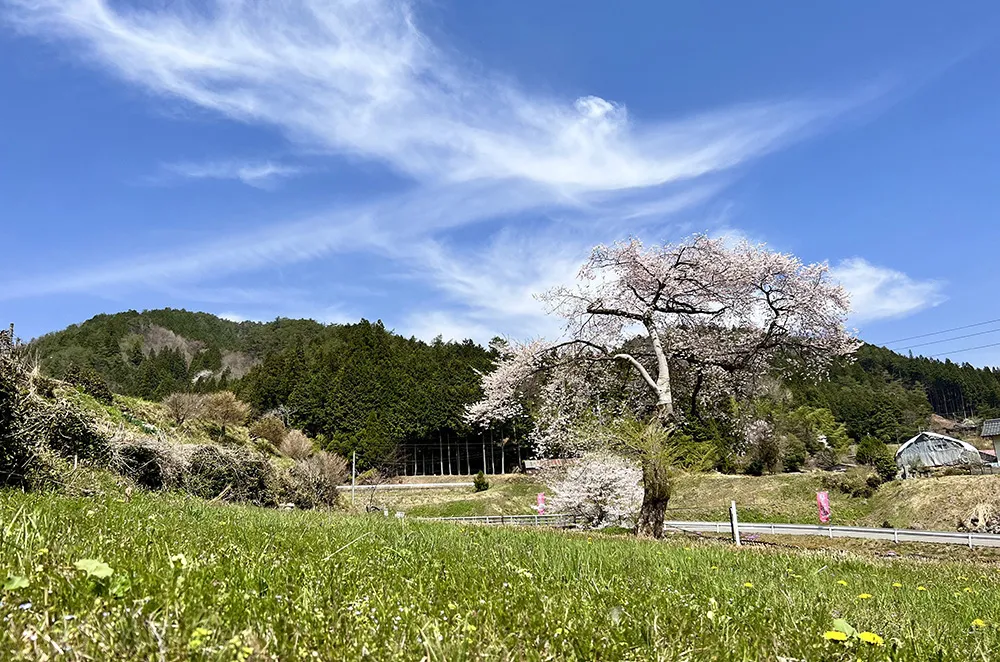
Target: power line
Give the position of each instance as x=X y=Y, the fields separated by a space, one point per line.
x=967 y=349
x=938 y=333
x=938 y=342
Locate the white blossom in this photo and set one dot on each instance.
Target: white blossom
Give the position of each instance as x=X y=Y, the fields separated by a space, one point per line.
x=601 y=489
x=725 y=315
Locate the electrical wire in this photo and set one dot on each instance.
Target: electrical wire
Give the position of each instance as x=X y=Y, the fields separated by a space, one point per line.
x=938 y=333
x=938 y=342
x=966 y=349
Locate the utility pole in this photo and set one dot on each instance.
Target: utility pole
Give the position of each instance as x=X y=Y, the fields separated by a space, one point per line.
x=354 y=474
x=441 y=452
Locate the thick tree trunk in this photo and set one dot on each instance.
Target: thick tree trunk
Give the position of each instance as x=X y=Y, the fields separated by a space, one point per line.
x=664 y=396
x=656 y=487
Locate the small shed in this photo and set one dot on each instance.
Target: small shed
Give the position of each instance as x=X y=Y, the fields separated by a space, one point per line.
x=991 y=431
x=929 y=449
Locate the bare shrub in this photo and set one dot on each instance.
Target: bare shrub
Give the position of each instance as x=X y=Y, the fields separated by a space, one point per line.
x=182 y=407
x=313 y=482
x=860 y=482
x=225 y=409
x=296 y=445
x=270 y=428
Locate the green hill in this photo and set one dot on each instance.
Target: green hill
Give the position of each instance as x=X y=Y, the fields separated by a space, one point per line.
x=157 y=352
x=362 y=387
x=356 y=387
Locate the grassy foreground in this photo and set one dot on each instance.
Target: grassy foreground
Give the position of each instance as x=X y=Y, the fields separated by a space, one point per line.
x=159 y=578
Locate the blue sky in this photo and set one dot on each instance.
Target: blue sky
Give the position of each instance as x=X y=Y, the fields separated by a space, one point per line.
x=434 y=164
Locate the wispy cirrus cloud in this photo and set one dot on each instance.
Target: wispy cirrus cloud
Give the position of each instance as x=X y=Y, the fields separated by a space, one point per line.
x=361 y=80
x=259 y=174
x=882 y=293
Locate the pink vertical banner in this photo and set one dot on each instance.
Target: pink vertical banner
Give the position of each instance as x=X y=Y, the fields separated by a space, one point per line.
x=541 y=503
x=823 y=502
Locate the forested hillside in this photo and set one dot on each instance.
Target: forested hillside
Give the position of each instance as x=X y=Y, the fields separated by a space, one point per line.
x=361 y=387
x=354 y=387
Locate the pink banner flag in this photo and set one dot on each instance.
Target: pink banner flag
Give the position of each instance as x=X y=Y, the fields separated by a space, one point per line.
x=541 y=503
x=823 y=501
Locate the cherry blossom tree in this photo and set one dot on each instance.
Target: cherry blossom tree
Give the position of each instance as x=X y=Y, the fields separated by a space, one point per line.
x=722 y=314
x=600 y=488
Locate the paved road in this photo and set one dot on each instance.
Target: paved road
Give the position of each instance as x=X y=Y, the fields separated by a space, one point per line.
x=970 y=540
x=895 y=535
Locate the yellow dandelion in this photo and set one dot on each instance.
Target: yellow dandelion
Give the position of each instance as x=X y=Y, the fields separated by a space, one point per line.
x=967 y=589
x=842 y=582
x=748 y=585
x=921 y=588
x=979 y=623
x=897 y=585
x=871 y=638
x=864 y=596
x=834 y=635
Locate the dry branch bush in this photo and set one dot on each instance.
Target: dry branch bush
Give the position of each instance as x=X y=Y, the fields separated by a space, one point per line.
x=183 y=407
x=313 y=482
x=232 y=474
x=152 y=463
x=296 y=445
x=270 y=428
x=24 y=460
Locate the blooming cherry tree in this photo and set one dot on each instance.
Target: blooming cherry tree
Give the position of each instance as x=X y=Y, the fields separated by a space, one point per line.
x=601 y=489
x=725 y=314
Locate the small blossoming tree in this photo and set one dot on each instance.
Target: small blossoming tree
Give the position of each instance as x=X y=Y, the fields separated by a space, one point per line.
x=601 y=489
x=720 y=315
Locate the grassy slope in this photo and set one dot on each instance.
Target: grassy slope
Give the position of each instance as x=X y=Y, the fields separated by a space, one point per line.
x=926 y=503
x=510 y=495
x=140 y=417
x=307 y=585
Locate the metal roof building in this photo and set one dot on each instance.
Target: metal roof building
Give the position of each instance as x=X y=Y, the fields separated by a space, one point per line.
x=929 y=449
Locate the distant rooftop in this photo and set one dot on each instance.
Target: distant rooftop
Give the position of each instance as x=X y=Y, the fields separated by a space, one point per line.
x=991 y=428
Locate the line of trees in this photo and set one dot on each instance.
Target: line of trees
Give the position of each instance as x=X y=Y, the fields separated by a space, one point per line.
x=399 y=403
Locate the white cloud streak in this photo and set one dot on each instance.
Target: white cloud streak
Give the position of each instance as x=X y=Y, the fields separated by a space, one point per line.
x=259 y=174
x=879 y=293
x=359 y=79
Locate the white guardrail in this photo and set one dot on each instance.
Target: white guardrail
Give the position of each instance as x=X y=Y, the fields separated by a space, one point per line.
x=519 y=520
x=970 y=540
x=404 y=486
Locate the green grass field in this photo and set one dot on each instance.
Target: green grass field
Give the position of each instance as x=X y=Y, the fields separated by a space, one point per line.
x=170 y=578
